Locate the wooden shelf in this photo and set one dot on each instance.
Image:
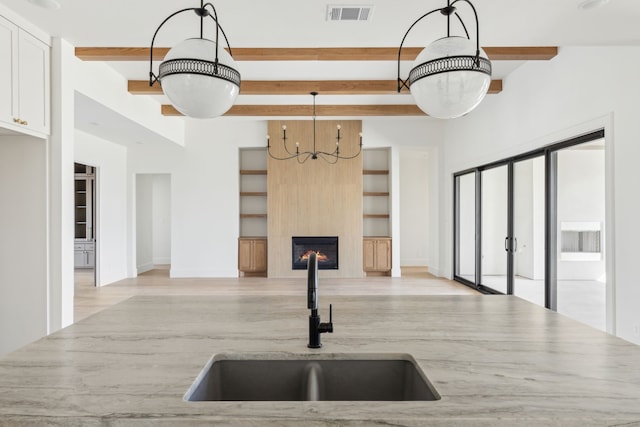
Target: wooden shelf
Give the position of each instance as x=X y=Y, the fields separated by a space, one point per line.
x=253 y=172
x=375 y=216
x=253 y=193
x=253 y=215
x=376 y=193
x=375 y=172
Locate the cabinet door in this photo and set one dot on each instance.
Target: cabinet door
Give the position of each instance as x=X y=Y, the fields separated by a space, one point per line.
x=91 y=259
x=33 y=72
x=8 y=71
x=368 y=255
x=383 y=255
x=259 y=255
x=244 y=255
x=80 y=259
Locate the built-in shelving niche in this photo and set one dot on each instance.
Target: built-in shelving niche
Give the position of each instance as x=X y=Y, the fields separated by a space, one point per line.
x=376 y=188
x=253 y=192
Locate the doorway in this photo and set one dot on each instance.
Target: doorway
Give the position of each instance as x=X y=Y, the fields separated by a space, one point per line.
x=153 y=222
x=85 y=225
x=534 y=226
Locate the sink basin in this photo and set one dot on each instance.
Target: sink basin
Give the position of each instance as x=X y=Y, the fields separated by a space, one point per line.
x=287 y=377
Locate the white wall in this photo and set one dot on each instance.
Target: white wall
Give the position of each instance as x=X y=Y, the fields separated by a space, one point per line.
x=204 y=192
x=144 y=223
x=580 y=90
x=61 y=194
x=161 y=219
x=153 y=221
x=111 y=202
x=100 y=82
x=23 y=241
x=414 y=207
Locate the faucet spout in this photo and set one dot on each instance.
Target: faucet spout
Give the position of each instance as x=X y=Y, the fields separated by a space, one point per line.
x=312 y=282
x=315 y=327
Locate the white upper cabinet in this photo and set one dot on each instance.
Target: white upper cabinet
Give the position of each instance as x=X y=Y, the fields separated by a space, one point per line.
x=24 y=80
x=8 y=70
x=34 y=82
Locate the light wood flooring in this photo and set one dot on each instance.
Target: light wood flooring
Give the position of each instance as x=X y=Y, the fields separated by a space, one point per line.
x=90 y=299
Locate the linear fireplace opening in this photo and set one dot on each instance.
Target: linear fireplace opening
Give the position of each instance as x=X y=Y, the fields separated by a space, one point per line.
x=325 y=247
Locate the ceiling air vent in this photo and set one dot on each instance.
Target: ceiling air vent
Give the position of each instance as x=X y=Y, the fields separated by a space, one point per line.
x=349 y=13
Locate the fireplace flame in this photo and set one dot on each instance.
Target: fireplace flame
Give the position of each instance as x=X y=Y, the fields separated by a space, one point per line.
x=321 y=257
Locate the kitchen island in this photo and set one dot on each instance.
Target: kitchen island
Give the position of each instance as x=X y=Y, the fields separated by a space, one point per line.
x=494 y=360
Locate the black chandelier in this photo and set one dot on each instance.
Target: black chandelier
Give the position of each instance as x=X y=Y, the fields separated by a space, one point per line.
x=303 y=156
x=451 y=76
x=197 y=75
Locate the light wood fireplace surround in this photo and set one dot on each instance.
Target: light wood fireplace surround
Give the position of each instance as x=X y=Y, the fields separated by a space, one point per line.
x=315 y=198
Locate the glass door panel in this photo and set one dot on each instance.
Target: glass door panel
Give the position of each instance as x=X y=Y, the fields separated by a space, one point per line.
x=529 y=231
x=495 y=202
x=581 y=279
x=465 y=226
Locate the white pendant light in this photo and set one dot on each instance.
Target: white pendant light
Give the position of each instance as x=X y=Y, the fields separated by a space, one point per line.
x=203 y=92
x=451 y=76
x=197 y=75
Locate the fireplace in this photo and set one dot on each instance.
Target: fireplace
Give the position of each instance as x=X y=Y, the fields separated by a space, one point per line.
x=325 y=247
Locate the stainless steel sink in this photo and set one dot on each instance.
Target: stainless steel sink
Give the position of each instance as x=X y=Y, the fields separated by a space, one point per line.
x=286 y=377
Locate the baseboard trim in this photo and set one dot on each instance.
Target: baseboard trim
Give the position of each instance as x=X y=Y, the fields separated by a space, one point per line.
x=144 y=268
x=178 y=273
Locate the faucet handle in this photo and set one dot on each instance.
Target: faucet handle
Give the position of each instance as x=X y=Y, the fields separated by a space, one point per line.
x=327 y=327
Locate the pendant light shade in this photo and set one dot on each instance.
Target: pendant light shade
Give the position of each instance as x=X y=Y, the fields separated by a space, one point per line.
x=451 y=76
x=198 y=75
x=194 y=83
x=445 y=80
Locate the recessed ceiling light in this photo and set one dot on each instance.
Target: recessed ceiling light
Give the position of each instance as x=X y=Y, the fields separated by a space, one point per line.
x=46 y=4
x=592 y=4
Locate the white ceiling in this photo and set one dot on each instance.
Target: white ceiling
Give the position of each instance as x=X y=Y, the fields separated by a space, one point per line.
x=295 y=23
x=303 y=23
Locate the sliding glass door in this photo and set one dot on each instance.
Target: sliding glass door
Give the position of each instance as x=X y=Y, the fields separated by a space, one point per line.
x=528 y=219
x=495 y=240
x=534 y=225
x=465 y=226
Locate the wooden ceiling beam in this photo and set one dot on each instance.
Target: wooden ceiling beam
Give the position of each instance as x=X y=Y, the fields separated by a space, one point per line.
x=509 y=53
x=307 y=110
x=303 y=87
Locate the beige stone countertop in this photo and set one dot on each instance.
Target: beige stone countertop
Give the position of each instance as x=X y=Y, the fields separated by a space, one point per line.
x=495 y=360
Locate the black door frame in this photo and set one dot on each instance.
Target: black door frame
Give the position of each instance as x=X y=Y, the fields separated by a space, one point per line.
x=550 y=153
